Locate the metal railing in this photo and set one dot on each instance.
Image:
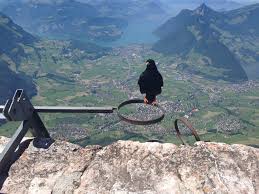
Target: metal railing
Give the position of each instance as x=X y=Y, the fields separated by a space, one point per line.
x=19 y=108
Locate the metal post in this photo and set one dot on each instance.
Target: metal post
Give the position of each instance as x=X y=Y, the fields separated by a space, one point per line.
x=37 y=127
x=6 y=155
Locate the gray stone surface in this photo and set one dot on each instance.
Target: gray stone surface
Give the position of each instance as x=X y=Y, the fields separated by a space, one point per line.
x=133 y=167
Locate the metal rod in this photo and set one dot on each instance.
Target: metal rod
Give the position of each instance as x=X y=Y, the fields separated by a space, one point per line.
x=63 y=109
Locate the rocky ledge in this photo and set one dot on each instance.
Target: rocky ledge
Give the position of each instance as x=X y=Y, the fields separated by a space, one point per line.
x=132 y=167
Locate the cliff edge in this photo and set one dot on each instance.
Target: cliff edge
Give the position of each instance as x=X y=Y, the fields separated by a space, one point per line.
x=132 y=167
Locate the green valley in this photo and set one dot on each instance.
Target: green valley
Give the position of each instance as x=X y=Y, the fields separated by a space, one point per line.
x=226 y=112
x=211 y=91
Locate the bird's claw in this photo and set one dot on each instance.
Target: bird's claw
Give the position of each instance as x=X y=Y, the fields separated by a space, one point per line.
x=154 y=103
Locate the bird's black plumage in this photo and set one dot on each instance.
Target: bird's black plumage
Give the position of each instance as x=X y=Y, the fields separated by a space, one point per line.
x=151 y=81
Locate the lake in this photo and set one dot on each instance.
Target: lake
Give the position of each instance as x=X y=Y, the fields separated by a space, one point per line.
x=136 y=32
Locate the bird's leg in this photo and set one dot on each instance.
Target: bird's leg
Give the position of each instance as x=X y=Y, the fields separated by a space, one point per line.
x=145 y=100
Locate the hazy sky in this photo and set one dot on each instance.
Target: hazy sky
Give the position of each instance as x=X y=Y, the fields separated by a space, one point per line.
x=246 y=1
x=171 y=1
x=241 y=1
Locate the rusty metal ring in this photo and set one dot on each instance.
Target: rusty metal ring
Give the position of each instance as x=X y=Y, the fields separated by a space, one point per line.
x=187 y=124
x=139 y=122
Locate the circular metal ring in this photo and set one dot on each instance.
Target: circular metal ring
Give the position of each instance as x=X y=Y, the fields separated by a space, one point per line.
x=139 y=122
x=189 y=126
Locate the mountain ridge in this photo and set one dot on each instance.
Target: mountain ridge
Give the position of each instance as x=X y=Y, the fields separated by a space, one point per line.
x=203 y=31
x=13 y=40
x=65 y=19
x=21 y=56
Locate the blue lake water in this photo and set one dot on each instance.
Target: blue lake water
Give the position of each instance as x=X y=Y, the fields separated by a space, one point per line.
x=136 y=32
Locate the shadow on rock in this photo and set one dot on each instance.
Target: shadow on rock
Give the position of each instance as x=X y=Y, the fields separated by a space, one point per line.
x=16 y=155
x=44 y=143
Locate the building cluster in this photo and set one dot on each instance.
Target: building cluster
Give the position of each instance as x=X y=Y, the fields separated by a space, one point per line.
x=243 y=87
x=228 y=125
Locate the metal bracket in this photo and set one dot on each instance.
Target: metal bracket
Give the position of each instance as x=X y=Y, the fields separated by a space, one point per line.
x=20 y=109
x=5 y=110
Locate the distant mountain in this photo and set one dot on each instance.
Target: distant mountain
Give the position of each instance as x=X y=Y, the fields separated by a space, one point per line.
x=64 y=19
x=128 y=9
x=24 y=57
x=243 y=20
x=174 y=7
x=11 y=80
x=207 y=33
x=13 y=39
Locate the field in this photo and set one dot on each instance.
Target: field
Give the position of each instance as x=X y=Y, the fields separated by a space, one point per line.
x=219 y=110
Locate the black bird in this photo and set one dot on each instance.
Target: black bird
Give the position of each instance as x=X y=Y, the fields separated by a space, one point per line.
x=150 y=82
